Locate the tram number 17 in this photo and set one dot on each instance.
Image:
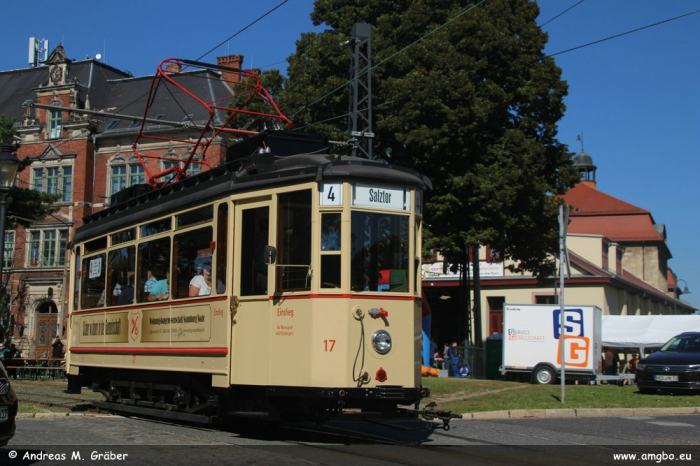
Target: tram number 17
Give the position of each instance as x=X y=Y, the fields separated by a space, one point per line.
x=330 y=344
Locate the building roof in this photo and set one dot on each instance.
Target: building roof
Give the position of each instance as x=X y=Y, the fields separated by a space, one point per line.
x=594 y=212
x=18 y=86
x=628 y=228
x=583 y=161
x=116 y=91
x=129 y=96
x=587 y=201
x=625 y=280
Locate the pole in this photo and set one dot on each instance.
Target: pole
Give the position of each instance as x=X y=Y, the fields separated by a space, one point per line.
x=562 y=328
x=64 y=294
x=3 y=212
x=478 y=338
x=675 y=293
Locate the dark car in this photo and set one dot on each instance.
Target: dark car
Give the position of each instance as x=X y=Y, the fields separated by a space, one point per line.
x=675 y=367
x=8 y=408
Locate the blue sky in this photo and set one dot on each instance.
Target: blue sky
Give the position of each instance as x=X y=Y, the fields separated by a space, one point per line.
x=635 y=98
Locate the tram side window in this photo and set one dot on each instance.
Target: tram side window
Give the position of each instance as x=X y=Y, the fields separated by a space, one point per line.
x=294 y=241
x=120 y=280
x=93 y=282
x=153 y=270
x=330 y=250
x=203 y=214
x=221 y=248
x=379 y=260
x=155 y=227
x=192 y=256
x=253 y=273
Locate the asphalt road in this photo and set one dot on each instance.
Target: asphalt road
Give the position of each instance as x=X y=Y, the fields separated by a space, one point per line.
x=355 y=440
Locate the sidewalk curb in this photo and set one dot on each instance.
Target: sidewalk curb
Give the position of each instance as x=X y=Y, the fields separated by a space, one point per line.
x=578 y=412
x=51 y=415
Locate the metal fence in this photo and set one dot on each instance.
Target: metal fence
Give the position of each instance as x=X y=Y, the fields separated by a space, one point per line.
x=475 y=358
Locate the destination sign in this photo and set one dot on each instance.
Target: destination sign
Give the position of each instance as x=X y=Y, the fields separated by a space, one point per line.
x=380 y=197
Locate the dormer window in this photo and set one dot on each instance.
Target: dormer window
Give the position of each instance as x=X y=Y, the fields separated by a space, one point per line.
x=112 y=124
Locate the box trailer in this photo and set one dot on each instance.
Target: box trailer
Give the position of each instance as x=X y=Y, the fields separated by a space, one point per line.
x=531 y=343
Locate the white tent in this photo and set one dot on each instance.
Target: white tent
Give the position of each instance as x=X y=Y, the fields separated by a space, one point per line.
x=645 y=331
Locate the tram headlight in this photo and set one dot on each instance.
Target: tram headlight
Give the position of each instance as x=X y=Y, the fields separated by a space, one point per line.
x=381 y=341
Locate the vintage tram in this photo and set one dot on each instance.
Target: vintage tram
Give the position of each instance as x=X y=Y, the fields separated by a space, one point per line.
x=278 y=283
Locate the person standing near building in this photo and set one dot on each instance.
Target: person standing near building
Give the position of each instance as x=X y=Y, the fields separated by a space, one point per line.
x=632 y=367
x=57 y=352
x=632 y=364
x=610 y=358
x=8 y=357
x=454 y=360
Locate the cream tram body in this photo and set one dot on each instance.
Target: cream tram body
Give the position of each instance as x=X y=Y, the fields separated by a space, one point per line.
x=315 y=297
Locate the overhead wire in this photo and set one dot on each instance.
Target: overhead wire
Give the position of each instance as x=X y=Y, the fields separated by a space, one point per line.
x=570 y=8
x=486 y=75
x=624 y=33
x=240 y=31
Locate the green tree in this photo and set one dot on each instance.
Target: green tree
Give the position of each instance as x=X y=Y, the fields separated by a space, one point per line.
x=27 y=203
x=7 y=129
x=244 y=98
x=462 y=93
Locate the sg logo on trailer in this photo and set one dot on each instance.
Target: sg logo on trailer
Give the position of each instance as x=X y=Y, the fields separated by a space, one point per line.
x=577 y=344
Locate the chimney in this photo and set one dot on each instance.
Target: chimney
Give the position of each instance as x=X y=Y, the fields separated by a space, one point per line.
x=231 y=61
x=172 y=68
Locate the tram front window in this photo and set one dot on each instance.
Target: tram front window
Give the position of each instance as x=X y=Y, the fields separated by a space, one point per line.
x=380 y=252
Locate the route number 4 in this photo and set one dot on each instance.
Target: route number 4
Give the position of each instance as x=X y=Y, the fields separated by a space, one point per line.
x=330 y=344
x=331 y=194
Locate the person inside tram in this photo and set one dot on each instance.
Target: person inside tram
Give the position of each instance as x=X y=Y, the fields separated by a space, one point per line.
x=159 y=291
x=127 y=291
x=200 y=285
x=151 y=280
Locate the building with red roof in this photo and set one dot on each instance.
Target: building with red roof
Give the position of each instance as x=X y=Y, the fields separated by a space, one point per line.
x=618 y=258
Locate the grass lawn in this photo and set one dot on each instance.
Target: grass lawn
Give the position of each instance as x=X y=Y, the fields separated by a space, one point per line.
x=473 y=395
x=454 y=394
x=47 y=396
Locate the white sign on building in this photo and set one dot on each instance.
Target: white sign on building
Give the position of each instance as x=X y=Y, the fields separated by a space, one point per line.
x=436 y=271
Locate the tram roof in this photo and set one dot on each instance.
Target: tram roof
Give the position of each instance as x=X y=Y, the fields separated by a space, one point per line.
x=259 y=171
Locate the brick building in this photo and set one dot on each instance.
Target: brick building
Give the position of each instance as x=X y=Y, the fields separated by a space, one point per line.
x=85 y=158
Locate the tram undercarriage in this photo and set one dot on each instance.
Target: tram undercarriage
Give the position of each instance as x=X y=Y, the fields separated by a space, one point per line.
x=190 y=398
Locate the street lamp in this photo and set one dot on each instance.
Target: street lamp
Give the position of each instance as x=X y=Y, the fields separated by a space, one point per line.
x=8 y=171
x=675 y=287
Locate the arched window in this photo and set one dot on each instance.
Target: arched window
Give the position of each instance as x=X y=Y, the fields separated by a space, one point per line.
x=47 y=307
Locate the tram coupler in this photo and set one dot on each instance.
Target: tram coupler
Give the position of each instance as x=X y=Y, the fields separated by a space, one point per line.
x=429 y=413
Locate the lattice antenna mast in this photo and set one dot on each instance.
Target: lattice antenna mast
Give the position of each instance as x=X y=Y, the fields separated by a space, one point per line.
x=360 y=112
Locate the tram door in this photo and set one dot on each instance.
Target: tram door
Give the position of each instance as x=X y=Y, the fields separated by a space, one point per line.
x=250 y=335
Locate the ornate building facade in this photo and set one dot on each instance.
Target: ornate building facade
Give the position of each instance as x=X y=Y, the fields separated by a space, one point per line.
x=79 y=139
